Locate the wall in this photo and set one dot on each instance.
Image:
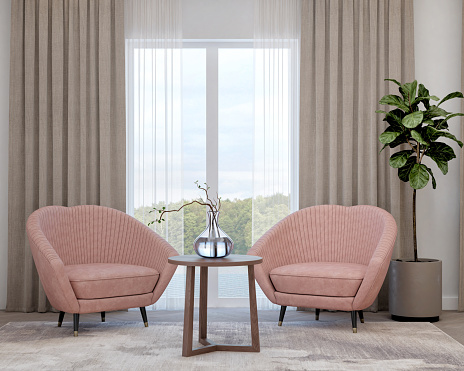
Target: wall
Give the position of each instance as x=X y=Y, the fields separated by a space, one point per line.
x=437 y=42
x=4 y=82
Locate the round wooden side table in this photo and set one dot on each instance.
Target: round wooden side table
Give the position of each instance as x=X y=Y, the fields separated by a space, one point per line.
x=192 y=261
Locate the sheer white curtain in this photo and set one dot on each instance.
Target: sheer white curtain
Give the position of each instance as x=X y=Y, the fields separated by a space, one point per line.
x=275 y=172
x=153 y=32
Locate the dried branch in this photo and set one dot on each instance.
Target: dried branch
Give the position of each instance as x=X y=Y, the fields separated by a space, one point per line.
x=214 y=206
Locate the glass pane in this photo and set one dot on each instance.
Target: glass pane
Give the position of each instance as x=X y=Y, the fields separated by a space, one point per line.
x=194 y=141
x=194 y=168
x=235 y=183
x=236 y=118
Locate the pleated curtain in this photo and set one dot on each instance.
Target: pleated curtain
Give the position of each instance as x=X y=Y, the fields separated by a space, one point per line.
x=347 y=49
x=153 y=37
x=275 y=150
x=461 y=250
x=67 y=121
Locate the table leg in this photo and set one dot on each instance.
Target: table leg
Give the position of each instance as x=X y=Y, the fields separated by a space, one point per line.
x=253 y=309
x=203 y=310
x=188 y=311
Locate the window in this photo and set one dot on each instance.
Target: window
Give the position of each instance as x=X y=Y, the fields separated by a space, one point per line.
x=212 y=129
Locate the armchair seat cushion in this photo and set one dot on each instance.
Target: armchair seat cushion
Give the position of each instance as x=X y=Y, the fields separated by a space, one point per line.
x=321 y=279
x=103 y=280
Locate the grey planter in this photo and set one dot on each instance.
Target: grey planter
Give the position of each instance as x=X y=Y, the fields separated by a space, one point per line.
x=415 y=291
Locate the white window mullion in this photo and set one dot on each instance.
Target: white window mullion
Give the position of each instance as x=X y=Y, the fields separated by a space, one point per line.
x=212 y=148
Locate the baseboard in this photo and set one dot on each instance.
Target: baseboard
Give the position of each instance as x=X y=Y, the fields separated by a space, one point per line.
x=449 y=303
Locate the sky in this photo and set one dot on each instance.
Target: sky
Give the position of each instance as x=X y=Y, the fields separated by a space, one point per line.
x=186 y=145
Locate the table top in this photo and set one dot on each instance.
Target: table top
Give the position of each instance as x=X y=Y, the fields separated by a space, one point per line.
x=228 y=261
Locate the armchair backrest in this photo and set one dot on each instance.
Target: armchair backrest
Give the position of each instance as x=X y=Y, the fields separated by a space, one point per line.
x=94 y=234
x=332 y=233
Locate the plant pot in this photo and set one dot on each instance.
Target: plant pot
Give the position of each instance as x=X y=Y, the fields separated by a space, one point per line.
x=415 y=290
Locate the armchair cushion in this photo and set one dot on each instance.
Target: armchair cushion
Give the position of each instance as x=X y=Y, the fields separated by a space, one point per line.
x=319 y=278
x=104 y=280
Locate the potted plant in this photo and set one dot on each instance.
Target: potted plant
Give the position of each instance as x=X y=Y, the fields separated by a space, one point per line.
x=213 y=242
x=417 y=126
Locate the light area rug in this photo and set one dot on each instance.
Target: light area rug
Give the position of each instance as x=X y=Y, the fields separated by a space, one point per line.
x=322 y=345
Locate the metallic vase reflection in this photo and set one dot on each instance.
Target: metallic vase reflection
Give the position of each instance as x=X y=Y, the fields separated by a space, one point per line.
x=213 y=242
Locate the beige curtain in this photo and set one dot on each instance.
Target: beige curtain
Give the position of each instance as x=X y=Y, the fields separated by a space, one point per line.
x=67 y=121
x=461 y=256
x=347 y=49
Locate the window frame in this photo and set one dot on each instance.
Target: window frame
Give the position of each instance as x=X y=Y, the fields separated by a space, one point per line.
x=212 y=47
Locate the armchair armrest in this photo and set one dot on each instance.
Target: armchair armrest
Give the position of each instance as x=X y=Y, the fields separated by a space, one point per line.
x=152 y=251
x=51 y=270
x=166 y=270
x=275 y=247
x=377 y=267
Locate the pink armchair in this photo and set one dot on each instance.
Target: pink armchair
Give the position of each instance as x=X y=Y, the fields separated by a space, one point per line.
x=97 y=259
x=326 y=257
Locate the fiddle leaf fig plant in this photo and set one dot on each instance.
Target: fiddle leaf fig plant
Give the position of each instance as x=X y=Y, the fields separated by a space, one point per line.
x=419 y=123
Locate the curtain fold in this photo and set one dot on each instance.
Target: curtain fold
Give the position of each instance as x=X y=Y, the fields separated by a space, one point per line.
x=461 y=233
x=67 y=128
x=153 y=37
x=348 y=48
x=275 y=150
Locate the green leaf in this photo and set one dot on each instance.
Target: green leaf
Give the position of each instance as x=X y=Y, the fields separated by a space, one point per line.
x=456 y=94
x=434 y=134
x=385 y=145
x=395 y=117
x=403 y=172
x=398 y=141
x=442 y=164
x=408 y=91
x=434 y=182
x=393 y=80
x=400 y=158
x=394 y=100
x=380 y=111
x=418 y=138
x=443 y=150
x=413 y=119
x=450 y=136
x=441 y=124
x=422 y=99
x=434 y=111
x=423 y=92
x=441 y=153
x=418 y=176
x=388 y=136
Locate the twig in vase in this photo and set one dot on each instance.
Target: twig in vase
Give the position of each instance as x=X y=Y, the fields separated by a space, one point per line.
x=214 y=206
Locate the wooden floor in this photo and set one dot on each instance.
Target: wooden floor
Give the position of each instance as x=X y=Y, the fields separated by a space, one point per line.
x=451 y=322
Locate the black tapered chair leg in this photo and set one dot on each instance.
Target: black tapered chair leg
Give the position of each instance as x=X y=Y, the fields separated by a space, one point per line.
x=361 y=316
x=60 y=319
x=317 y=313
x=144 y=316
x=354 y=318
x=103 y=316
x=76 y=323
x=283 y=308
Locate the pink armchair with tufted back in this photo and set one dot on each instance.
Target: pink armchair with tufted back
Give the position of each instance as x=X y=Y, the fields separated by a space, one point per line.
x=97 y=259
x=326 y=257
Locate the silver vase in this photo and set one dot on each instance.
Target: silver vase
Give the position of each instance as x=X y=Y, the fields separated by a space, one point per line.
x=213 y=242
